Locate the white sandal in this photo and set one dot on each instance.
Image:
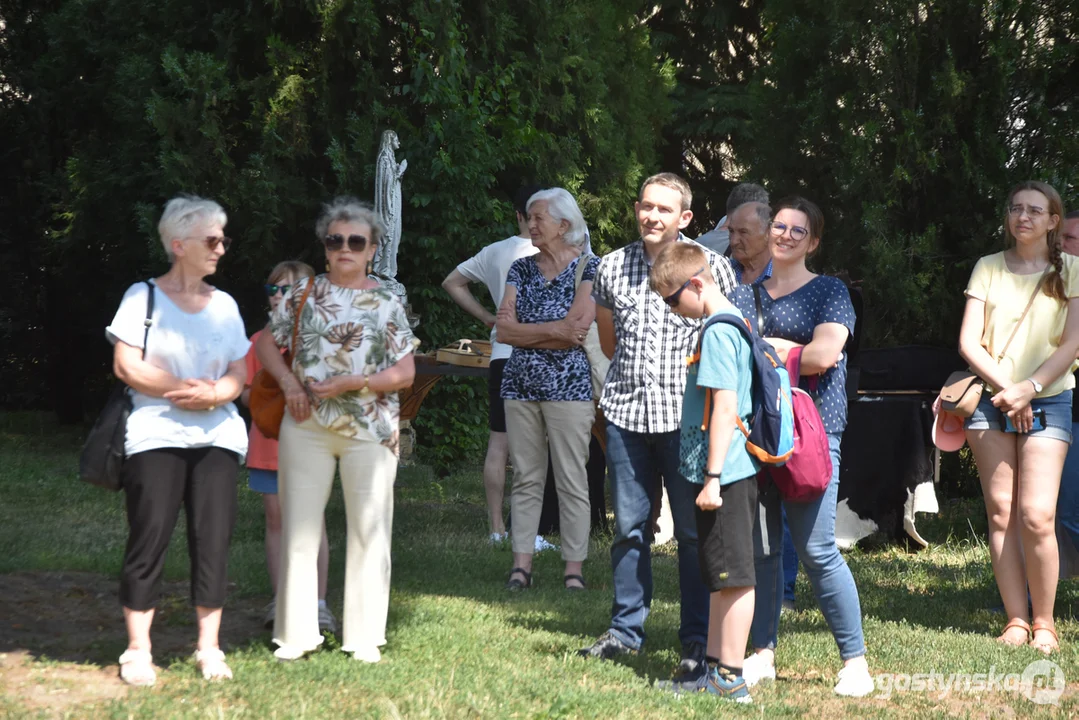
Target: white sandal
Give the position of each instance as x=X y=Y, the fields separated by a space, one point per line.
x=137 y=668
x=212 y=664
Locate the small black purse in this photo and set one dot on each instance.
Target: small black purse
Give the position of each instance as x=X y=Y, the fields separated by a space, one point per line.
x=102 y=456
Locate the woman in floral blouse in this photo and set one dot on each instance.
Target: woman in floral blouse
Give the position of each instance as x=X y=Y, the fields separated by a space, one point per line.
x=354 y=352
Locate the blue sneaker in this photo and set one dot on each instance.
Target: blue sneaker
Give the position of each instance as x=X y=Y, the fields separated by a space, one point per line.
x=723 y=684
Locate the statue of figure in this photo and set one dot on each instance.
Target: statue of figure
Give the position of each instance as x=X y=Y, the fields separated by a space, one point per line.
x=388 y=203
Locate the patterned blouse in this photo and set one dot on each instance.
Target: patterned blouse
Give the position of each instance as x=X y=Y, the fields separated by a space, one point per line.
x=347 y=332
x=795 y=317
x=536 y=374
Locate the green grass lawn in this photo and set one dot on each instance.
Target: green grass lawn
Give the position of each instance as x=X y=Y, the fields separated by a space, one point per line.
x=461 y=646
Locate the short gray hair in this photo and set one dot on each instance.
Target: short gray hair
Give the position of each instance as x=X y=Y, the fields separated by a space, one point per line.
x=183 y=214
x=762 y=210
x=345 y=208
x=743 y=193
x=562 y=206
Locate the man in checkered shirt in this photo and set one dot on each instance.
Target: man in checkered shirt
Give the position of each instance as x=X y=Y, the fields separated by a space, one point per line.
x=642 y=401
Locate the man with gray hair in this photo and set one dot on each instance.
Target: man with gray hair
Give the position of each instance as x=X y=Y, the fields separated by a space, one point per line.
x=718 y=239
x=751 y=258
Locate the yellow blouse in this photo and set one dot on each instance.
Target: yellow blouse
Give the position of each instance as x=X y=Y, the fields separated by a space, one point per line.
x=1005 y=294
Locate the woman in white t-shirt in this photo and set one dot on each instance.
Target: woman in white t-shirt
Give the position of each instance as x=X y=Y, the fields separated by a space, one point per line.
x=185 y=440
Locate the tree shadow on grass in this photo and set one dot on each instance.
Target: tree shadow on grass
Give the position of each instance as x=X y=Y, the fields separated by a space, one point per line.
x=76 y=617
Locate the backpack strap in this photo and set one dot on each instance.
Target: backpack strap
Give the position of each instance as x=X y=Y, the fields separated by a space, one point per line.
x=747 y=333
x=149 y=316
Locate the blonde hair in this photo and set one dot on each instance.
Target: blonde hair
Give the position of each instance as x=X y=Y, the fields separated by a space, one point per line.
x=287 y=268
x=677 y=263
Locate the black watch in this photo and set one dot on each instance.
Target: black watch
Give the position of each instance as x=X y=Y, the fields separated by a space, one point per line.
x=708 y=474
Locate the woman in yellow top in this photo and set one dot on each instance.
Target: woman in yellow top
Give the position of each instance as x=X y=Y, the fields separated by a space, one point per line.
x=1021 y=430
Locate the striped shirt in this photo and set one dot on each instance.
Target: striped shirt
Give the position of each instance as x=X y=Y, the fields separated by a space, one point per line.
x=643 y=389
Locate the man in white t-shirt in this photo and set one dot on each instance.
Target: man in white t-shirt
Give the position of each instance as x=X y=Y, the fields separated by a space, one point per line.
x=490 y=266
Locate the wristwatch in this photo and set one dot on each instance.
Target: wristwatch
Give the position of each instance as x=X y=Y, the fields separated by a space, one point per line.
x=709 y=474
x=1037 y=385
x=366 y=389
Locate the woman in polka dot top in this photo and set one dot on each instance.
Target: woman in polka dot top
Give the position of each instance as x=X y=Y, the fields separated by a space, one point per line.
x=801 y=309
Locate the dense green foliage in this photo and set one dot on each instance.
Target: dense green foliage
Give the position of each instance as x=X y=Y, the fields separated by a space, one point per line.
x=907 y=121
x=272 y=109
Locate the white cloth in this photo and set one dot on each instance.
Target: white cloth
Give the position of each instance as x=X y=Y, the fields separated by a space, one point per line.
x=187 y=345
x=490 y=267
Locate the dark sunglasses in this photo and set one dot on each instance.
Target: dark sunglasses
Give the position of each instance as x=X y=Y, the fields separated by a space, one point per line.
x=213 y=242
x=356 y=243
x=272 y=290
x=673 y=299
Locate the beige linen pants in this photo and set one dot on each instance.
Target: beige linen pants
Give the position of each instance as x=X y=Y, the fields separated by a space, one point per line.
x=566 y=426
x=307 y=457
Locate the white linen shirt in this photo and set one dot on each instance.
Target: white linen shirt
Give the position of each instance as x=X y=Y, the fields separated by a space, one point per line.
x=490 y=267
x=186 y=345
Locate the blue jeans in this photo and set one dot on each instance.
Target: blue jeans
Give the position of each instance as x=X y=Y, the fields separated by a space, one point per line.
x=812 y=526
x=1068 y=499
x=636 y=461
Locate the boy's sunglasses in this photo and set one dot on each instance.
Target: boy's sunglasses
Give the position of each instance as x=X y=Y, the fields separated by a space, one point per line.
x=673 y=299
x=272 y=290
x=356 y=243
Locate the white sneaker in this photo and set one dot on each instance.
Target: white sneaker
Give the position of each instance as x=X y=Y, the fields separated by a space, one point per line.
x=286 y=653
x=542 y=544
x=855 y=681
x=497 y=538
x=368 y=655
x=755 y=668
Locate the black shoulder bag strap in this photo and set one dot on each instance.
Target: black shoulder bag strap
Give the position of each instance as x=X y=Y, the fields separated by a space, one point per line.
x=760 y=311
x=149 y=317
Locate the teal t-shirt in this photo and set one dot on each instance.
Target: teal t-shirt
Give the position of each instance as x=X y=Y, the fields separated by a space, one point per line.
x=726 y=363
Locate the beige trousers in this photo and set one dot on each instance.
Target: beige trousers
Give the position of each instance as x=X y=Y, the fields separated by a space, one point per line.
x=566 y=427
x=307 y=457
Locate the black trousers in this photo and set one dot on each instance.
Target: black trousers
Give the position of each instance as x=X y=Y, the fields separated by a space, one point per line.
x=156 y=483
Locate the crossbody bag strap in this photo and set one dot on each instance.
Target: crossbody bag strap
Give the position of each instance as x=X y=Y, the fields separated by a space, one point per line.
x=149 y=316
x=1030 y=303
x=760 y=310
x=581 y=264
x=296 y=324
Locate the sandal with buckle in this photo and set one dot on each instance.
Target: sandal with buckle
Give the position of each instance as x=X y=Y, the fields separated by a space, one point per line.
x=1046 y=647
x=211 y=663
x=137 y=668
x=515 y=584
x=1015 y=623
x=566 y=580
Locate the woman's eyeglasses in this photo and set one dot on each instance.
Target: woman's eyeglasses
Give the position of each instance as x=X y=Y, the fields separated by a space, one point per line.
x=674 y=298
x=214 y=240
x=798 y=234
x=356 y=243
x=272 y=290
x=1033 y=211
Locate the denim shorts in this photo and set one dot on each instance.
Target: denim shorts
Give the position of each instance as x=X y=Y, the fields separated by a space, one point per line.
x=1058 y=416
x=262 y=481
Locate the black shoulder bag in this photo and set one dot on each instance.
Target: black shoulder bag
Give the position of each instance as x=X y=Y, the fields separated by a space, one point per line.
x=102 y=456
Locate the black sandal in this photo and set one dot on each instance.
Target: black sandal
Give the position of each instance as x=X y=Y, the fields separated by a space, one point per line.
x=578 y=578
x=515 y=584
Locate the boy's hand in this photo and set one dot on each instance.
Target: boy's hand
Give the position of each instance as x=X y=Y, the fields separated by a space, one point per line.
x=709 y=498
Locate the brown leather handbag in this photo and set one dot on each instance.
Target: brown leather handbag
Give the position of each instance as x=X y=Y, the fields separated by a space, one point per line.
x=267 y=400
x=962 y=390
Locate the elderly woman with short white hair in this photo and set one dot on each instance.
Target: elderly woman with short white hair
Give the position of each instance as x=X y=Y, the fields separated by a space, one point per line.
x=353 y=353
x=185 y=440
x=547 y=384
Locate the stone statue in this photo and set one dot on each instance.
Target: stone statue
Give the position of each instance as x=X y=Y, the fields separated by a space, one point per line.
x=388 y=203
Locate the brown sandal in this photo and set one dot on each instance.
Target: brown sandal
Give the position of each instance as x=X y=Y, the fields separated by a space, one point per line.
x=1015 y=623
x=1045 y=647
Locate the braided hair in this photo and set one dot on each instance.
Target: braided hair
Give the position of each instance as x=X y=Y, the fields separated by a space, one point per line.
x=1054 y=281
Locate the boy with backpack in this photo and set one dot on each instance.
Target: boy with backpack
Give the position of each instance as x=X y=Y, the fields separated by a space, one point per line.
x=717 y=405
